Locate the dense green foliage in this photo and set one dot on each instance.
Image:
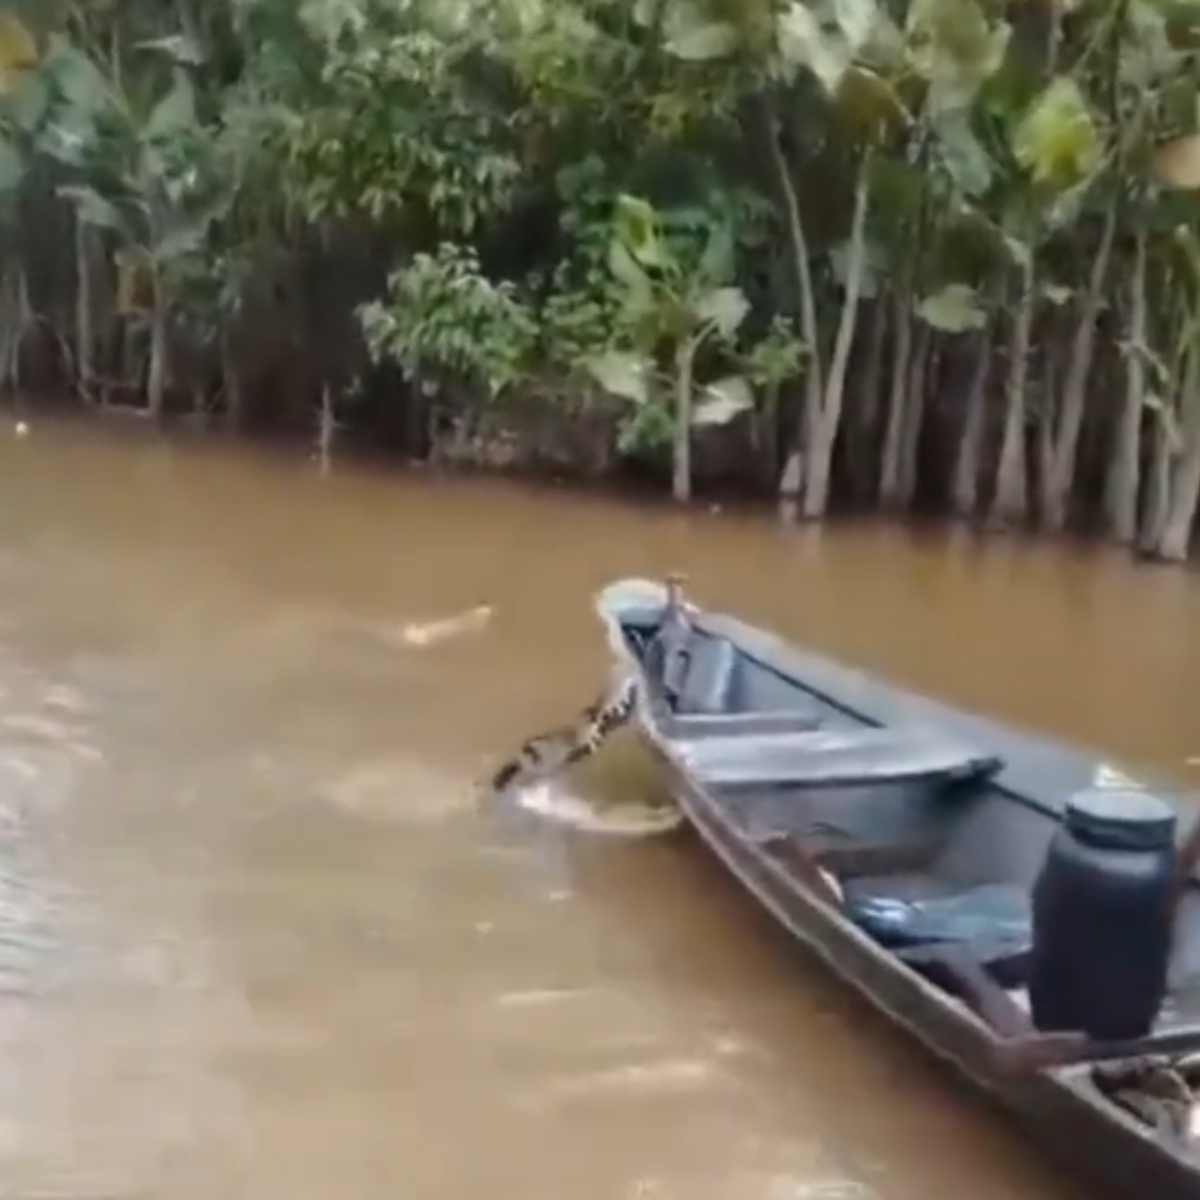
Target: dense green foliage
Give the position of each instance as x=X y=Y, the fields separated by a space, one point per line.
x=944 y=253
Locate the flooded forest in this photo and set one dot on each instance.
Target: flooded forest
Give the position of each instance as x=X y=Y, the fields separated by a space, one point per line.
x=844 y=254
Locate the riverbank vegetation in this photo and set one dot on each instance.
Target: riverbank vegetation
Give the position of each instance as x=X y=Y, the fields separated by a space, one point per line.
x=857 y=253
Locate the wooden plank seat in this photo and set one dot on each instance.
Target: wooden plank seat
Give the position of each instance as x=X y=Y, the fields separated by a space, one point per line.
x=829 y=757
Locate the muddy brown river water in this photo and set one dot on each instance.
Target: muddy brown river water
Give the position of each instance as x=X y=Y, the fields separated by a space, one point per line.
x=258 y=940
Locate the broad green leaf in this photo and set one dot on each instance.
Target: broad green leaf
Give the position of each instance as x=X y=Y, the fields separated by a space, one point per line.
x=1149 y=49
x=961 y=153
x=805 y=42
x=84 y=88
x=954 y=48
x=626 y=269
x=94 y=208
x=622 y=374
x=722 y=401
x=645 y=12
x=955 y=309
x=175 y=112
x=870 y=104
x=1057 y=141
x=725 y=308
x=856 y=19
x=637 y=228
x=30 y=103
x=694 y=39
x=873 y=272
x=329 y=19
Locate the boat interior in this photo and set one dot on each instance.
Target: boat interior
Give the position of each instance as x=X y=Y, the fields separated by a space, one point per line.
x=909 y=828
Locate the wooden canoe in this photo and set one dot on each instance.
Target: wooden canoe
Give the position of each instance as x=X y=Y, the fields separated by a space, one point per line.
x=822 y=789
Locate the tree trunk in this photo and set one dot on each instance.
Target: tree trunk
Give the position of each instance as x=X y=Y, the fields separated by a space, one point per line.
x=681 y=484
x=914 y=416
x=766 y=434
x=823 y=437
x=1009 y=504
x=862 y=443
x=156 y=380
x=235 y=399
x=1183 y=497
x=1122 y=483
x=965 y=490
x=11 y=332
x=85 y=333
x=1176 y=539
x=893 y=439
x=791 y=479
x=1057 y=487
x=1158 y=491
x=24 y=317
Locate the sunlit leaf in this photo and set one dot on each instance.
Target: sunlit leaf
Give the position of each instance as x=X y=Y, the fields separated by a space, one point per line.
x=1177 y=163
x=954 y=48
x=18 y=52
x=725 y=307
x=697 y=40
x=722 y=401
x=637 y=228
x=955 y=309
x=856 y=19
x=621 y=374
x=1057 y=294
x=804 y=42
x=626 y=269
x=873 y=269
x=1057 y=141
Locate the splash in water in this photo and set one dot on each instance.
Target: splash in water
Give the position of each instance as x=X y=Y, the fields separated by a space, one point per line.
x=553 y=803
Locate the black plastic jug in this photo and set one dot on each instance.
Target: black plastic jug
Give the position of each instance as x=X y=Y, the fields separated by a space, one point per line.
x=1101 y=916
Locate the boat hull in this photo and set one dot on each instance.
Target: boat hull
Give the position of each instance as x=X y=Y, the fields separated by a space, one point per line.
x=1059 y=1109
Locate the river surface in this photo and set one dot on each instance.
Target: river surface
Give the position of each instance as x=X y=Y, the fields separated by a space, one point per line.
x=259 y=940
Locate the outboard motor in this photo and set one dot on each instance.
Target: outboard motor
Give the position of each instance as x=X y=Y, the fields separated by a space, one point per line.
x=1103 y=915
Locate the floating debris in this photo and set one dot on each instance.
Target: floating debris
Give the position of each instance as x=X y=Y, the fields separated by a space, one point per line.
x=429 y=633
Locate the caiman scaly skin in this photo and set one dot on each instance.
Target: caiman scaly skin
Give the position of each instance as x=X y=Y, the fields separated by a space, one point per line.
x=548 y=753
